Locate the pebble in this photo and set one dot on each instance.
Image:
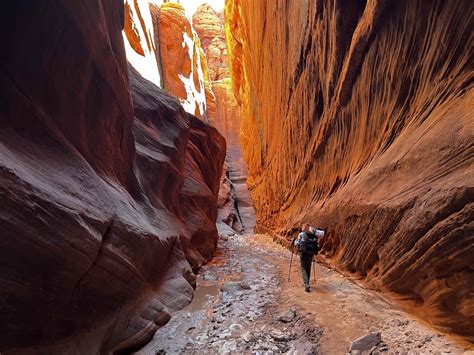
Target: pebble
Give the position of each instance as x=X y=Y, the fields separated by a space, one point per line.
x=225 y=335
x=279 y=335
x=247 y=336
x=245 y=285
x=288 y=316
x=399 y=323
x=235 y=326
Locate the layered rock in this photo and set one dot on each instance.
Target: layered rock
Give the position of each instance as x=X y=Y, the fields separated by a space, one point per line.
x=103 y=200
x=238 y=211
x=209 y=25
x=164 y=48
x=181 y=58
x=357 y=117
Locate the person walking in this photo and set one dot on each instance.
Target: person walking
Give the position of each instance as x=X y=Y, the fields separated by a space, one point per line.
x=308 y=247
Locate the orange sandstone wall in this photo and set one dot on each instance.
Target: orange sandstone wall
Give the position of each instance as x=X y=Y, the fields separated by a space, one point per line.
x=358 y=117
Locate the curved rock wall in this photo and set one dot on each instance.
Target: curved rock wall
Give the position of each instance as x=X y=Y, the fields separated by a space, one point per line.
x=357 y=117
x=102 y=199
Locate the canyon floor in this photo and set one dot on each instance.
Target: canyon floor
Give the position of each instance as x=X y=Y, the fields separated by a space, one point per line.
x=244 y=303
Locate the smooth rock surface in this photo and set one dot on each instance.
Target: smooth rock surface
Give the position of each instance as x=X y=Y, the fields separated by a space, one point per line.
x=102 y=199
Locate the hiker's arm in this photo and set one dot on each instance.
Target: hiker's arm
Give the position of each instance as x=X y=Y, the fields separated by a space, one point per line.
x=299 y=238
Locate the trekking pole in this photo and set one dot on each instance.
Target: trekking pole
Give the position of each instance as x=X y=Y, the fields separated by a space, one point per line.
x=291 y=260
x=314 y=270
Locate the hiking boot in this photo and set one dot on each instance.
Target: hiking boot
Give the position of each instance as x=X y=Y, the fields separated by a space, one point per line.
x=306 y=288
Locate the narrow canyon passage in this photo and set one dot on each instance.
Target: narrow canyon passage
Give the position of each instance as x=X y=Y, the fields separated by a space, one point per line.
x=158 y=159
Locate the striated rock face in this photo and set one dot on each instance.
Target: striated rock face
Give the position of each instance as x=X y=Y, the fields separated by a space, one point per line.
x=238 y=211
x=210 y=27
x=162 y=45
x=357 y=117
x=181 y=58
x=102 y=199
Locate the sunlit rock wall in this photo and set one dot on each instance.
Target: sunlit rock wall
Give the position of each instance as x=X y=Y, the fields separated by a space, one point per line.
x=162 y=45
x=181 y=58
x=209 y=25
x=107 y=192
x=358 y=117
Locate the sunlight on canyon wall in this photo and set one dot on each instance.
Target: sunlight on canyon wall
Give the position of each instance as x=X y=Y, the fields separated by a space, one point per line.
x=163 y=47
x=357 y=117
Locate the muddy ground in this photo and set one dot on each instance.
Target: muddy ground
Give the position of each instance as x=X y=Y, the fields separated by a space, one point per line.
x=244 y=303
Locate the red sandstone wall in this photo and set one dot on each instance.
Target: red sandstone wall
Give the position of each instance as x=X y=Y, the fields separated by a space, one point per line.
x=105 y=186
x=357 y=117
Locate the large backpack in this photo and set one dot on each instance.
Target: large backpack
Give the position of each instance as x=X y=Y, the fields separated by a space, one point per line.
x=309 y=245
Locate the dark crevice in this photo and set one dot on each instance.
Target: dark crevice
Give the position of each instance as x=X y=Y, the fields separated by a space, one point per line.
x=106 y=236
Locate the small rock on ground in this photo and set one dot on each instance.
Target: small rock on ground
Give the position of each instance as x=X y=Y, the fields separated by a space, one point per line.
x=288 y=316
x=366 y=343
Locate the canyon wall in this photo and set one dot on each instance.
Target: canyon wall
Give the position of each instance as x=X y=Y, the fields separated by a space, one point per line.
x=163 y=46
x=238 y=210
x=107 y=195
x=357 y=117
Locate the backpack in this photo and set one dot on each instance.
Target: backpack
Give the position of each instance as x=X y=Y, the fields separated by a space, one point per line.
x=309 y=245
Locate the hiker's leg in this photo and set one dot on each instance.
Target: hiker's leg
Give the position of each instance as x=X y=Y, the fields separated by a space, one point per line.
x=308 y=261
x=304 y=270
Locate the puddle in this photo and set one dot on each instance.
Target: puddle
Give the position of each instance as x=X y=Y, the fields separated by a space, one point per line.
x=204 y=296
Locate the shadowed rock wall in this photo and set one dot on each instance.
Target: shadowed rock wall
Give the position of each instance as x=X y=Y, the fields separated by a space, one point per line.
x=102 y=199
x=357 y=117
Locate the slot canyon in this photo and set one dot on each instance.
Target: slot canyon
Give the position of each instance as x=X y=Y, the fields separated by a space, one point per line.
x=158 y=160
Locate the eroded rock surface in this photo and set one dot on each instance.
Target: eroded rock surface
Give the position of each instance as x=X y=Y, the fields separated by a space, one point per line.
x=209 y=25
x=163 y=47
x=181 y=58
x=102 y=199
x=357 y=116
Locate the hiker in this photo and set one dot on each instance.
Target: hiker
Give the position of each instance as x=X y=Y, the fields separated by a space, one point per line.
x=308 y=247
